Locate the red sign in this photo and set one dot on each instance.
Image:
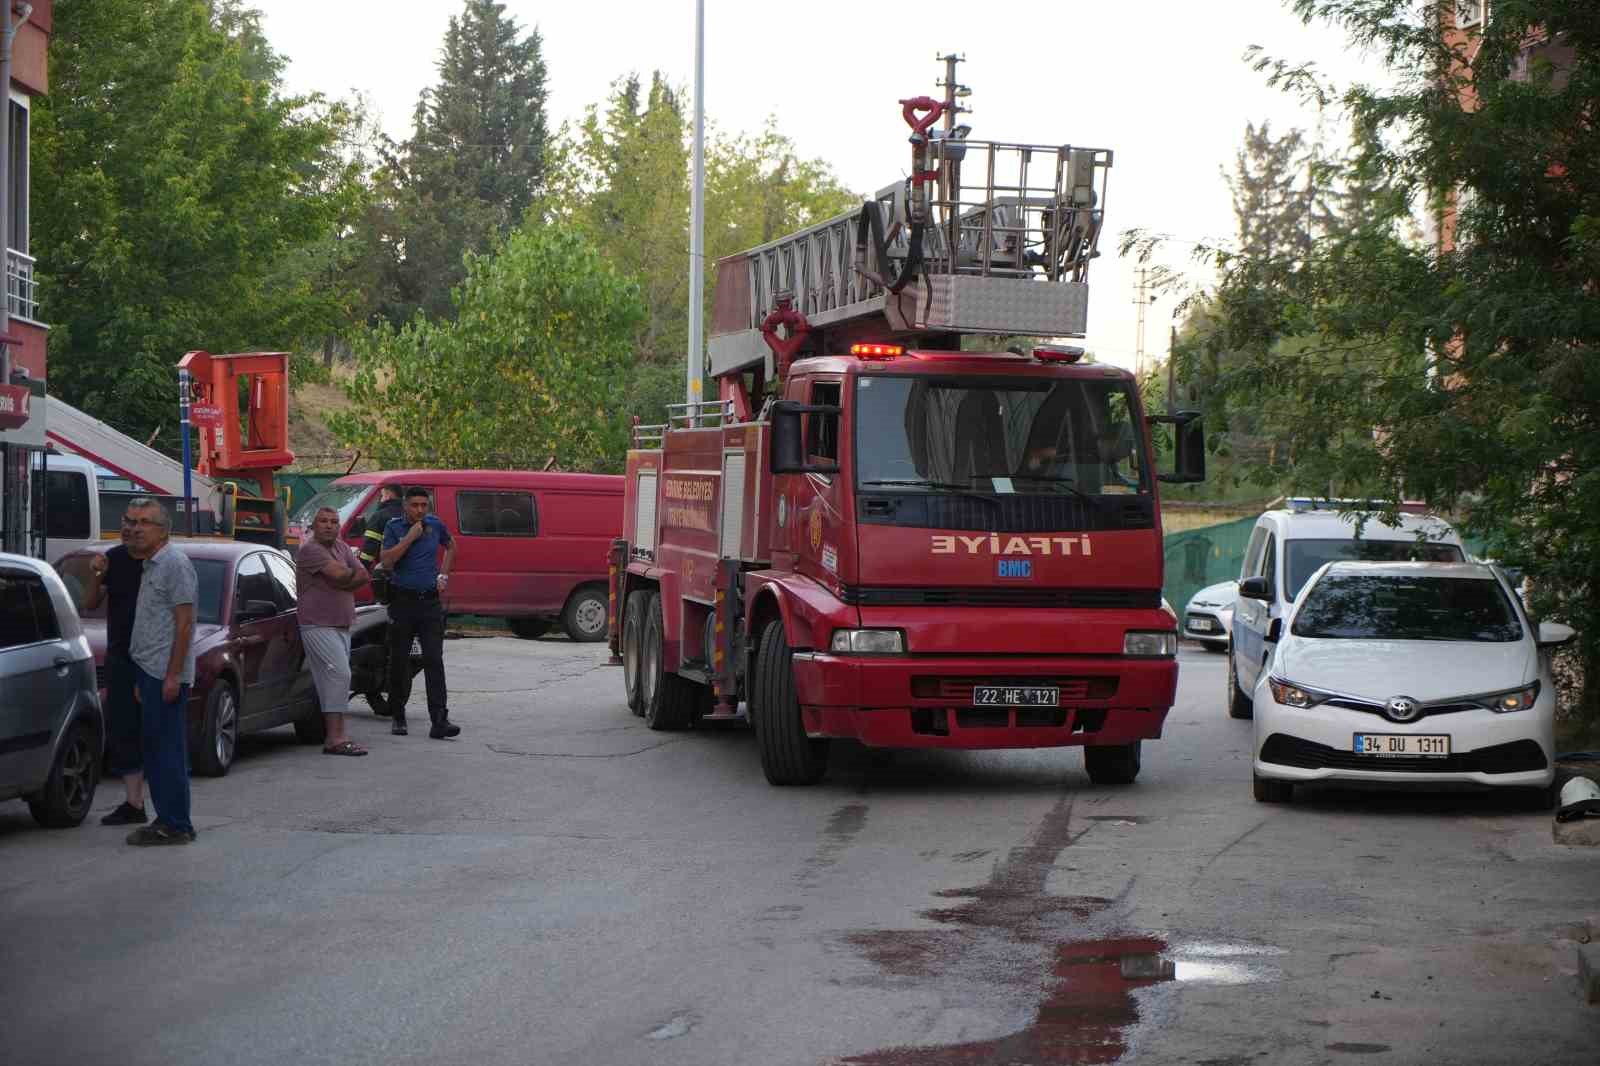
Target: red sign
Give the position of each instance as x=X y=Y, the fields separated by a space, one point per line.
x=205 y=414
x=14 y=400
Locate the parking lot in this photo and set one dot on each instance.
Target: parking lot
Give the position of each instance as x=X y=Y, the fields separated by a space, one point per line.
x=561 y=885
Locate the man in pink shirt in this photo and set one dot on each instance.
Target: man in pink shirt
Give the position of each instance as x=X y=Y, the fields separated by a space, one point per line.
x=328 y=574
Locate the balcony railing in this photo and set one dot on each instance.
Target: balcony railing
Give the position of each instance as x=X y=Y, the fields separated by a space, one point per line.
x=21 y=292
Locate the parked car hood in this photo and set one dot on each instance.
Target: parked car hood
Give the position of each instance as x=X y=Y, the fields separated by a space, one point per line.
x=1223 y=594
x=1422 y=669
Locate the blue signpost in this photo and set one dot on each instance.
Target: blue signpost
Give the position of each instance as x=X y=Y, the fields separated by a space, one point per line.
x=183 y=420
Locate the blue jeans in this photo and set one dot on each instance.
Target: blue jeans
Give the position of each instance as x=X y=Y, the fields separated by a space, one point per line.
x=165 y=744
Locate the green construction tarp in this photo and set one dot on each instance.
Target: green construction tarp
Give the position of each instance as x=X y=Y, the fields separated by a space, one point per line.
x=303 y=486
x=1199 y=557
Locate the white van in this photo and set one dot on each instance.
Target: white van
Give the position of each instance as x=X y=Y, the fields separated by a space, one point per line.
x=1287 y=546
x=70 y=502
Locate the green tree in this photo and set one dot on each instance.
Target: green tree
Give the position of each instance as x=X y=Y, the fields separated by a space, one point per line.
x=178 y=178
x=532 y=367
x=475 y=161
x=625 y=182
x=1468 y=376
x=624 y=178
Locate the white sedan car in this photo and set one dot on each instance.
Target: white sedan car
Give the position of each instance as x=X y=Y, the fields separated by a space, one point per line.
x=1208 y=618
x=1413 y=674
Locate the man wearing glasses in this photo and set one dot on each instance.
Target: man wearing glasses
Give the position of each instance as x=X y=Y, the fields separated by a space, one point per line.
x=115 y=575
x=162 y=649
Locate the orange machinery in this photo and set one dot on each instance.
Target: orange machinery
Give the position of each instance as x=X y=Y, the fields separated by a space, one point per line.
x=240 y=407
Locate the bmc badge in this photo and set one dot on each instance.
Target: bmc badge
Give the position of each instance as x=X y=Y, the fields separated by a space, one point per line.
x=1022 y=568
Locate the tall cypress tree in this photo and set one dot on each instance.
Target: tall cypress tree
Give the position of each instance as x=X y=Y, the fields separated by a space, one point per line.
x=476 y=157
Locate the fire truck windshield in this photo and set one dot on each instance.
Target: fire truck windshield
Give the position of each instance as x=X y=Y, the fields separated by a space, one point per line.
x=999 y=436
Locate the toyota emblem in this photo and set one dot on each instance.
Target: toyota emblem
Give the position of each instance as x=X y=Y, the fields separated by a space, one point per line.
x=1402 y=708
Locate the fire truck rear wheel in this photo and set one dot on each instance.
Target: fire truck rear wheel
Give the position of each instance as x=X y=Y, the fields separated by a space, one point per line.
x=1112 y=764
x=633 y=614
x=662 y=698
x=788 y=756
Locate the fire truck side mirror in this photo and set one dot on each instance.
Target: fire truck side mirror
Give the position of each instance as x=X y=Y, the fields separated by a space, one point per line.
x=788 y=438
x=1188 y=447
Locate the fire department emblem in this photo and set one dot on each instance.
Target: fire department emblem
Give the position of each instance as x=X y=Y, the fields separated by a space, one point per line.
x=816 y=528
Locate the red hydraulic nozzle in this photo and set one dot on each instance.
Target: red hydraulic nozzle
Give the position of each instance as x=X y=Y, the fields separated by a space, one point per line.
x=932 y=109
x=783 y=348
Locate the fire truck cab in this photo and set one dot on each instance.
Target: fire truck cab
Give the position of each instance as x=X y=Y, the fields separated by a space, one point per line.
x=884 y=532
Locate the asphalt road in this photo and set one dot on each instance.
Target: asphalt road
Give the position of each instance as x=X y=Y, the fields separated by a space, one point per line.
x=561 y=885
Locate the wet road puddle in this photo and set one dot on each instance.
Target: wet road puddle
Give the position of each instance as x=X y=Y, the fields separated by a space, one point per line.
x=1003 y=942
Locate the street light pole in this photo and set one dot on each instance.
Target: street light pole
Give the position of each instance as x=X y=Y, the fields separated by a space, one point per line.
x=697 y=216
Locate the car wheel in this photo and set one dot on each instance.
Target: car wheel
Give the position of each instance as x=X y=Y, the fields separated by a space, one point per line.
x=633 y=621
x=529 y=628
x=1267 y=790
x=219 y=732
x=1239 y=705
x=788 y=756
x=1112 y=764
x=586 y=615
x=68 y=792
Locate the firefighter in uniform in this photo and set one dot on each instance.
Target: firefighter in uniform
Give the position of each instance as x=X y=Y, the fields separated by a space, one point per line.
x=389 y=507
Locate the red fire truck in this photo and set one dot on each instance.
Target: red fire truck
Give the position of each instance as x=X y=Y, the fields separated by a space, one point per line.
x=887 y=530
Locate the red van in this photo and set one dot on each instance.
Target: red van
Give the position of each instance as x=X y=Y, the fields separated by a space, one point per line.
x=530 y=547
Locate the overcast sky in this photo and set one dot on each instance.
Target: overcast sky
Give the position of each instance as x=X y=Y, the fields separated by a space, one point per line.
x=1160 y=82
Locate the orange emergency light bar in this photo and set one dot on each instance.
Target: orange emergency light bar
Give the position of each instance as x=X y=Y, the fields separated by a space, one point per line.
x=877 y=351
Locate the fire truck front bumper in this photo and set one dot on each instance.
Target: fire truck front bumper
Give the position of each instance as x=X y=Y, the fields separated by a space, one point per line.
x=981 y=702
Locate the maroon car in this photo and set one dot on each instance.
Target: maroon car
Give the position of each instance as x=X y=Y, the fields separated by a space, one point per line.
x=250 y=670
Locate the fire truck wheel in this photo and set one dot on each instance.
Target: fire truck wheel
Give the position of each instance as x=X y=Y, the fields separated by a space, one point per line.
x=1112 y=764
x=662 y=700
x=1239 y=705
x=788 y=756
x=633 y=650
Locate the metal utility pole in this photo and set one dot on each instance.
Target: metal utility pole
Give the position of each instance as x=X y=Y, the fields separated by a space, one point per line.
x=697 y=214
x=1172 y=374
x=1143 y=299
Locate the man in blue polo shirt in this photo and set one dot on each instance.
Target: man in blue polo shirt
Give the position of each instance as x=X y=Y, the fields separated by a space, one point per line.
x=411 y=546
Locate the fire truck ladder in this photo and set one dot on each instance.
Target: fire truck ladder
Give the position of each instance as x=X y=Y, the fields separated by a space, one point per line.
x=1007 y=254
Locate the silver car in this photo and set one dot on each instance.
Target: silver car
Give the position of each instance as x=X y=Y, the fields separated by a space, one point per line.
x=51 y=728
x=1208 y=618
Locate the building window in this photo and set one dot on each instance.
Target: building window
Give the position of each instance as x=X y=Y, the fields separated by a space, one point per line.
x=1471 y=13
x=19 y=178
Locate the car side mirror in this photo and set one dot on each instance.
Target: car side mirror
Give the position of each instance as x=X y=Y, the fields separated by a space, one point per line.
x=1554 y=634
x=1255 y=588
x=1275 y=631
x=255 y=611
x=788 y=454
x=1188 y=447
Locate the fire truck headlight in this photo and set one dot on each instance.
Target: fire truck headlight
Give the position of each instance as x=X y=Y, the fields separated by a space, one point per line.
x=869 y=641
x=1159 y=645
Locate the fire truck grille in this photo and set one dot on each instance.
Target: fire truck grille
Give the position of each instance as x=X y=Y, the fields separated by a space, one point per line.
x=1003 y=596
x=959 y=689
x=1006 y=513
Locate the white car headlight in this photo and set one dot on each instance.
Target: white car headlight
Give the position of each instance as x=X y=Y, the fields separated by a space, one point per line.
x=1157 y=645
x=1518 y=699
x=1292 y=695
x=869 y=641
